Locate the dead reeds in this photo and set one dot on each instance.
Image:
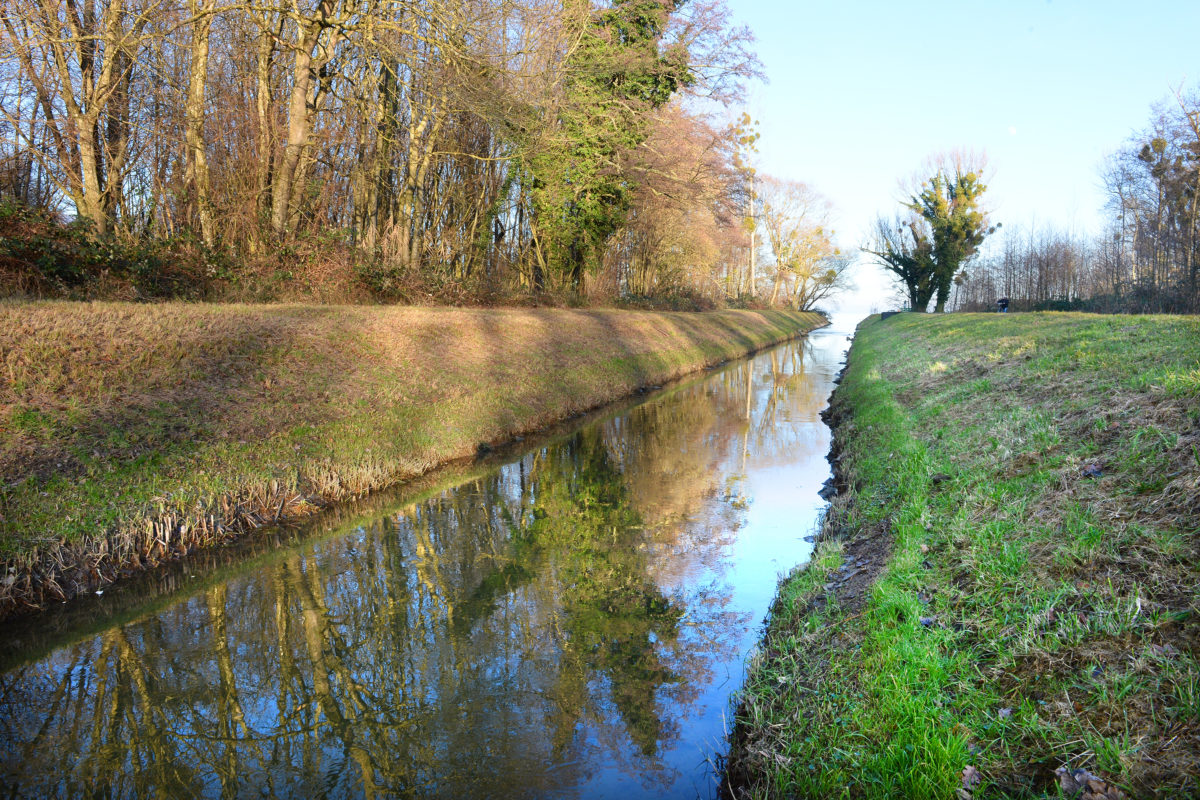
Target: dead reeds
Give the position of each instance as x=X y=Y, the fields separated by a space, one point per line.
x=130 y=434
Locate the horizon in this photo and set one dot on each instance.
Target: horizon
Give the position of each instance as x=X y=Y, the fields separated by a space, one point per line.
x=1048 y=103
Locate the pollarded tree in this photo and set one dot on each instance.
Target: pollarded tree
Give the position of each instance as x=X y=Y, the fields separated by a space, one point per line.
x=946 y=227
x=950 y=207
x=903 y=247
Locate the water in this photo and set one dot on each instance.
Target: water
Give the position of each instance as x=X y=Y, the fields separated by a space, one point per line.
x=570 y=624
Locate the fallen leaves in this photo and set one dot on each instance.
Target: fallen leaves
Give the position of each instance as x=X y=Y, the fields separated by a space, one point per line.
x=1083 y=785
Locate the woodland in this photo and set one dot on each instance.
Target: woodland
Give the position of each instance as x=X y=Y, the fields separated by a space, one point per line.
x=462 y=151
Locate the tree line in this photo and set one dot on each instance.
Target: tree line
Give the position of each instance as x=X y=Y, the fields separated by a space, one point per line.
x=398 y=149
x=1146 y=259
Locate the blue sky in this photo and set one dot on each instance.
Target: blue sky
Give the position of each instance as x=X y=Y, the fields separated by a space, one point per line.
x=860 y=92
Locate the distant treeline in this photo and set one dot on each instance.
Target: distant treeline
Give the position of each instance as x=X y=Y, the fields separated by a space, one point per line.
x=1146 y=261
x=357 y=149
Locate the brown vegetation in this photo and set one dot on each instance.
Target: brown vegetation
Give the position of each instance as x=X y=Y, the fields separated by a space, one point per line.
x=347 y=150
x=129 y=433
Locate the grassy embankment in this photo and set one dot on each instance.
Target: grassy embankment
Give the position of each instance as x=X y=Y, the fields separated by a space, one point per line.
x=131 y=433
x=1007 y=583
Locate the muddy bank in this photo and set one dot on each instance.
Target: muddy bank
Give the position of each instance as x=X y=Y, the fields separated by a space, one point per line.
x=1002 y=602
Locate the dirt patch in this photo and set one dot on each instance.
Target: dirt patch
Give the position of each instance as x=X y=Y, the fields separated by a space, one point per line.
x=865 y=556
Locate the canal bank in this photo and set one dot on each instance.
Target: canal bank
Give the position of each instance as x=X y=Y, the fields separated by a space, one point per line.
x=568 y=621
x=1003 y=601
x=135 y=433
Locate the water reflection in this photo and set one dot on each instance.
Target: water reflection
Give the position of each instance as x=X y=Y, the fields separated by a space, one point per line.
x=569 y=625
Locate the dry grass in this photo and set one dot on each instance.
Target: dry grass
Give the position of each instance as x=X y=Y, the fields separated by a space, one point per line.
x=129 y=433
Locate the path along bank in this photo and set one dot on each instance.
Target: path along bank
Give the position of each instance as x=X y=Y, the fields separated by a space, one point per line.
x=130 y=434
x=1003 y=602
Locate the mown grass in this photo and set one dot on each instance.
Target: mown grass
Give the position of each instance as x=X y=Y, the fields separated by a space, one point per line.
x=1038 y=479
x=129 y=433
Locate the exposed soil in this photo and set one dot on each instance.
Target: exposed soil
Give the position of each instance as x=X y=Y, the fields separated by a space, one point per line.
x=865 y=555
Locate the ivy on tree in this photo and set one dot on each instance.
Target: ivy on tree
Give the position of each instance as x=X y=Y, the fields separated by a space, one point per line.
x=616 y=75
x=944 y=228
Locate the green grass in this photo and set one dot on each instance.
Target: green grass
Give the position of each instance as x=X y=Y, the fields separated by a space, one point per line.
x=1064 y=614
x=129 y=433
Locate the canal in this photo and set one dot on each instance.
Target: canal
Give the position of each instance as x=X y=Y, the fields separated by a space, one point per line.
x=570 y=623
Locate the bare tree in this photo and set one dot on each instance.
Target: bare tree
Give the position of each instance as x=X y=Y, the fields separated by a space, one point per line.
x=808 y=265
x=202 y=12
x=80 y=63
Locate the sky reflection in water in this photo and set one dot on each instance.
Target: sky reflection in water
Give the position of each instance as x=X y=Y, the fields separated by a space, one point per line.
x=570 y=625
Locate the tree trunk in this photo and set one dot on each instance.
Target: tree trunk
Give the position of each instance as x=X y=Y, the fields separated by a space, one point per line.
x=89 y=204
x=299 y=125
x=775 y=288
x=753 y=268
x=422 y=137
x=202 y=11
x=262 y=107
x=309 y=58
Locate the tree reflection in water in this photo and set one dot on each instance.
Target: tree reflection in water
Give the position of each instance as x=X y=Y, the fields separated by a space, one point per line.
x=503 y=638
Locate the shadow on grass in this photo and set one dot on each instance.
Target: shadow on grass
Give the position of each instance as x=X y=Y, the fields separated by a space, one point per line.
x=215 y=381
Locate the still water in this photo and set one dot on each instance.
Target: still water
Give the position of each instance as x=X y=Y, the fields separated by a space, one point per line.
x=570 y=624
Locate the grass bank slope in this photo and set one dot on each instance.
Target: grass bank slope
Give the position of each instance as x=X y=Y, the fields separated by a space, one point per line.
x=130 y=433
x=1005 y=593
